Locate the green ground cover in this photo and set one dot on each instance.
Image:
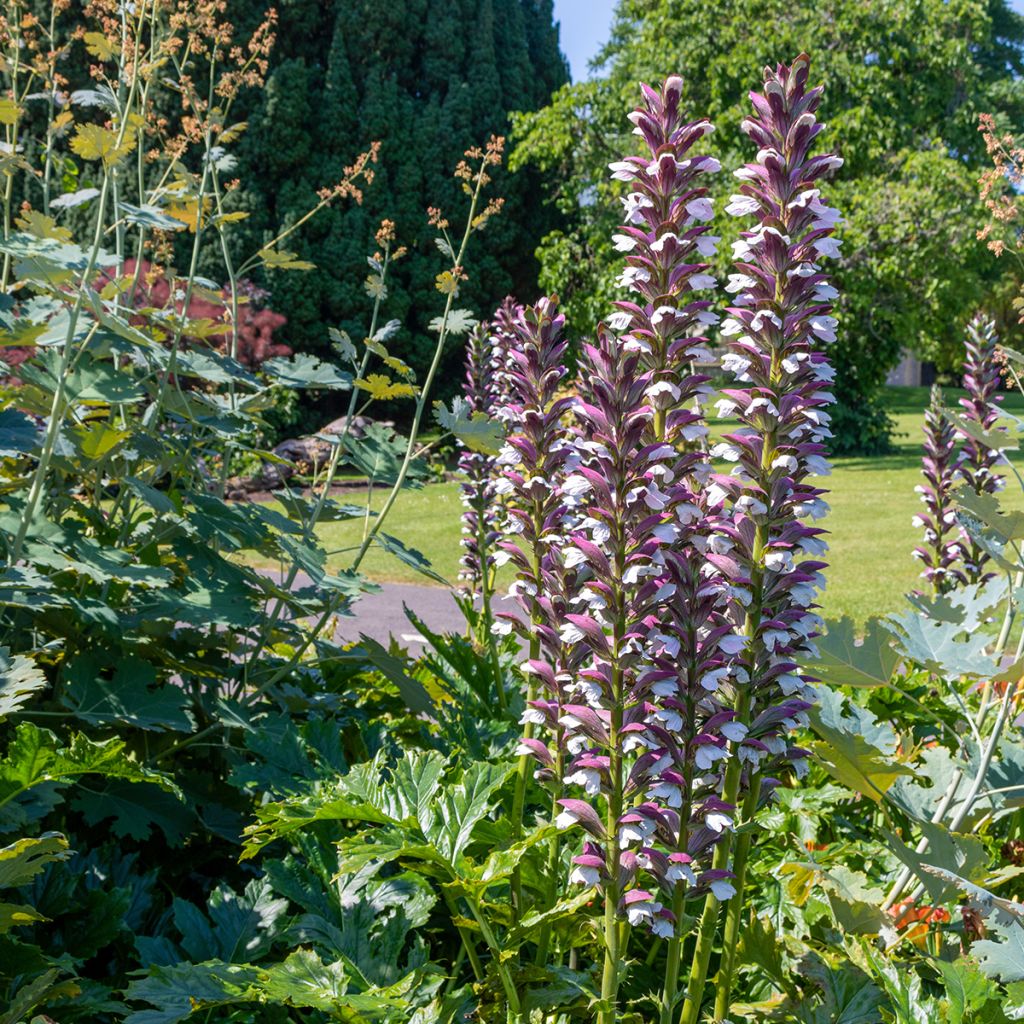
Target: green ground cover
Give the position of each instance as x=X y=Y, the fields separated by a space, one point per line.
x=873 y=501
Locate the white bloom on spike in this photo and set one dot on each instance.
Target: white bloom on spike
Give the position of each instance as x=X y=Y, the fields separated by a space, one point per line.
x=707 y=245
x=571 y=634
x=662 y=387
x=743 y=247
x=737 y=282
x=707 y=754
x=818 y=465
x=632 y=275
x=671 y=795
x=588 y=778
x=717 y=821
x=740 y=205
x=722 y=890
x=711 y=680
x=702 y=282
x=565 y=820
x=662 y=312
x=634 y=832
x=680 y=873
x=624 y=243
x=622 y=170
x=700 y=209
x=660 y=244
x=825 y=327
x=634 y=204
x=757 y=321
x=581 y=874
x=732 y=643
x=734 y=363
x=751 y=505
x=828 y=247
x=804 y=198
x=778 y=560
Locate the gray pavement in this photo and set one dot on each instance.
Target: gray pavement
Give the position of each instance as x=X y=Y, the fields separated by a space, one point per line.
x=380 y=615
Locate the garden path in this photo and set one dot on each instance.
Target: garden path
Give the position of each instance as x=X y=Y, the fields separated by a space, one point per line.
x=380 y=614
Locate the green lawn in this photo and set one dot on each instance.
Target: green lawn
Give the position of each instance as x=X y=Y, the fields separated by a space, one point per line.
x=872 y=500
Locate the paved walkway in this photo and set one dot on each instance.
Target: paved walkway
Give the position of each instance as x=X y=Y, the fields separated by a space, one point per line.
x=380 y=615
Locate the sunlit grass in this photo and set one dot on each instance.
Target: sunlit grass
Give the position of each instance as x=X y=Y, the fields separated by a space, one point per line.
x=872 y=501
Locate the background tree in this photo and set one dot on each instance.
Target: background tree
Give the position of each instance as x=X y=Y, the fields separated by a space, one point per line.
x=905 y=82
x=428 y=78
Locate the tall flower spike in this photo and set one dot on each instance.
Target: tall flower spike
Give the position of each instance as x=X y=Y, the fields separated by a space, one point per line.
x=537 y=456
x=666 y=239
x=981 y=407
x=779 y=321
x=941 y=465
x=611 y=720
x=479 y=521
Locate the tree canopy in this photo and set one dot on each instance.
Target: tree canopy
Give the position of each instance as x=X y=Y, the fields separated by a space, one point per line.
x=429 y=79
x=905 y=82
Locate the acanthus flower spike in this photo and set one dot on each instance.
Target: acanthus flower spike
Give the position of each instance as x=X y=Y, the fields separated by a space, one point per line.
x=537 y=457
x=482 y=389
x=779 y=323
x=941 y=465
x=980 y=408
x=667 y=240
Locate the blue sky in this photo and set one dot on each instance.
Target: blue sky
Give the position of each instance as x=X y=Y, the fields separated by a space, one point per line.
x=585 y=25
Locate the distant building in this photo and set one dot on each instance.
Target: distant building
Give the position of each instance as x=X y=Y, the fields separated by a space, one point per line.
x=911 y=372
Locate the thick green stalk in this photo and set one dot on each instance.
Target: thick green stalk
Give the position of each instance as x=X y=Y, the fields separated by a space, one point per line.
x=734 y=908
x=609 y=1013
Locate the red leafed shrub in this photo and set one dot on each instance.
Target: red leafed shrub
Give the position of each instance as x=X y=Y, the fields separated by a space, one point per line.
x=256 y=321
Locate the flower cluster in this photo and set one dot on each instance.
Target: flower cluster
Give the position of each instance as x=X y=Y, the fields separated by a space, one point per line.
x=484 y=390
x=640 y=724
x=981 y=407
x=943 y=545
x=534 y=463
x=779 y=321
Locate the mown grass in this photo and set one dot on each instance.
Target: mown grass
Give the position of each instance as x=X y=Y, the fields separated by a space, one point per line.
x=872 y=499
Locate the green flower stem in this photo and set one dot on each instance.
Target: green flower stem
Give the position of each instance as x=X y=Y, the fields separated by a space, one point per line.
x=734 y=908
x=467 y=939
x=507 y=983
x=613 y=935
x=421 y=403
x=487 y=617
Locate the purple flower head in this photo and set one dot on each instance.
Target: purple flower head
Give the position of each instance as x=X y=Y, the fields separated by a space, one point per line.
x=484 y=394
x=943 y=545
x=779 y=322
x=981 y=407
x=537 y=457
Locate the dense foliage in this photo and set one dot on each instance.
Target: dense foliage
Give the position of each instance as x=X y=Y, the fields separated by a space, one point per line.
x=428 y=79
x=905 y=85
x=653 y=785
